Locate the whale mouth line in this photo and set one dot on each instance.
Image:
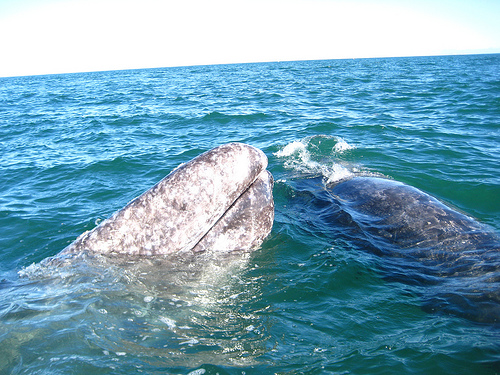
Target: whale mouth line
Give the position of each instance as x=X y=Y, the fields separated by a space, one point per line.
x=261 y=178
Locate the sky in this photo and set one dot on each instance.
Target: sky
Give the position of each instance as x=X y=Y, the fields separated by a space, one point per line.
x=65 y=36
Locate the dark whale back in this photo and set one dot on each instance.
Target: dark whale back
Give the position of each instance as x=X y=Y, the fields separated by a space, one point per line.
x=422 y=241
x=411 y=221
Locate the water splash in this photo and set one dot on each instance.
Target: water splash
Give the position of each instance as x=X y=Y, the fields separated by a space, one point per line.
x=318 y=155
x=195 y=312
x=342 y=146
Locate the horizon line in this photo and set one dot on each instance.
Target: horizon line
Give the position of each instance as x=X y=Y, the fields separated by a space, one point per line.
x=471 y=53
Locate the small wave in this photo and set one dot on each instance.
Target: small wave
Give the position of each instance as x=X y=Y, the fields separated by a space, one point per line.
x=315 y=155
x=224 y=118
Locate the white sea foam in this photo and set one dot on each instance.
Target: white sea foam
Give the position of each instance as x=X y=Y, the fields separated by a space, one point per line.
x=169 y=322
x=342 y=146
x=190 y=342
x=298 y=157
x=200 y=371
x=292 y=148
x=338 y=173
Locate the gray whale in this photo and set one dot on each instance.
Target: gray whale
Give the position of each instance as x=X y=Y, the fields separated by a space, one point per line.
x=451 y=257
x=221 y=200
x=411 y=221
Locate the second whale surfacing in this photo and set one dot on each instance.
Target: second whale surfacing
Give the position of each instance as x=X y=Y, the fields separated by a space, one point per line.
x=452 y=258
x=221 y=200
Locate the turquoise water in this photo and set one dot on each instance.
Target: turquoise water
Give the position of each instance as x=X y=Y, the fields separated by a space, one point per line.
x=77 y=147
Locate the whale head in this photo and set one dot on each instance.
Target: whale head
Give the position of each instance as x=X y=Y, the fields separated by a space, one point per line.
x=221 y=200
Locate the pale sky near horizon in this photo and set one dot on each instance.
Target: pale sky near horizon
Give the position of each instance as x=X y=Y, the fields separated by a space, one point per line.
x=63 y=36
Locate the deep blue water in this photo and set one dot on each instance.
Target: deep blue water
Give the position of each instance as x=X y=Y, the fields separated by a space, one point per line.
x=77 y=147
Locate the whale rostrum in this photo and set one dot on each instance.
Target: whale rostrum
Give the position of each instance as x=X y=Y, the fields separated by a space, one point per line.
x=220 y=200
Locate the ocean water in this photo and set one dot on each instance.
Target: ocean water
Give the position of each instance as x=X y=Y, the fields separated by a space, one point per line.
x=311 y=300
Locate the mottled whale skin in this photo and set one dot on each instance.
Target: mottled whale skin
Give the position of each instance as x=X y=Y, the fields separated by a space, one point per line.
x=454 y=259
x=220 y=200
x=410 y=220
x=455 y=256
